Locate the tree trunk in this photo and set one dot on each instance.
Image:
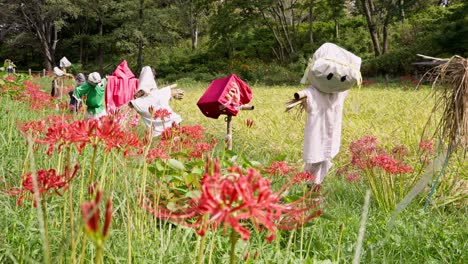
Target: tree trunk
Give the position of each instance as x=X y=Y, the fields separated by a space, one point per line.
x=385 y=34
x=402 y=10
x=194 y=35
x=371 y=26
x=311 y=21
x=140 y=40
x=100 y=49
x=337 y=28
x=193 y=24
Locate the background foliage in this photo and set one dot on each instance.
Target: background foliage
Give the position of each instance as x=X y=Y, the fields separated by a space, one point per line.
x=265 y=41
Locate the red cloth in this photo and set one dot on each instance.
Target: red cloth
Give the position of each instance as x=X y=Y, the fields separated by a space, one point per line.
x=121 y=86
x=225 y=96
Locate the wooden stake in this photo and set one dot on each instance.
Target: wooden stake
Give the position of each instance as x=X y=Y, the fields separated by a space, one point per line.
x=229 y=133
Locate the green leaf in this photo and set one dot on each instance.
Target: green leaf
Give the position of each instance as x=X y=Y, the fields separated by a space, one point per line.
x=159 y=166
x=175 y=164
x=327 y=216
x=230 y=153
x=280 y=157
x=178 y=155
x=193 y=194
x=198 y=171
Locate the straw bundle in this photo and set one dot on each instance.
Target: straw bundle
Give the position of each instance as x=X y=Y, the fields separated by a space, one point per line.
x=299 y=101
x=451 y=100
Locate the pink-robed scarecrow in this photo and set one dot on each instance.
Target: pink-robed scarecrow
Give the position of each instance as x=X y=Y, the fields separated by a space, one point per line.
x=331 y=72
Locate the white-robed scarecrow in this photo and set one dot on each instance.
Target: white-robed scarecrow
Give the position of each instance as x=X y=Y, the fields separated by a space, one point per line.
x=331 y=72
x=149 y=96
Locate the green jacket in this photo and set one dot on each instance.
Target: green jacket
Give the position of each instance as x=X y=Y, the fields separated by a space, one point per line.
x=94 y=96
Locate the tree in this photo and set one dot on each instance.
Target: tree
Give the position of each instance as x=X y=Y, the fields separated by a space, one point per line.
x=44 y=19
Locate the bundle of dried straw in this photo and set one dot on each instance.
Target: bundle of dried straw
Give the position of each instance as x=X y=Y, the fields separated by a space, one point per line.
x=450 y=91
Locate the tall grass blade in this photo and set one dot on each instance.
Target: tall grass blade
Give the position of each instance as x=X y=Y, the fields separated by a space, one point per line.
x=362 y=228
x=418 y=187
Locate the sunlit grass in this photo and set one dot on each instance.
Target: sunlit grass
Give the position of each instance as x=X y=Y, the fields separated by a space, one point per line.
x=394 y=114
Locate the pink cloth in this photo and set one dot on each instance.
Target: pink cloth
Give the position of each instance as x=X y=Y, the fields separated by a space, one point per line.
x=225 y=96
x=121 y=86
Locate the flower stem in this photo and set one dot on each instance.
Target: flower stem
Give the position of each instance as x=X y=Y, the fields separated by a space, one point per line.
x=46 y=230
x=91 y=174
x=201 y=250
x=233 y=239
x=98 y=259
x=72 y=226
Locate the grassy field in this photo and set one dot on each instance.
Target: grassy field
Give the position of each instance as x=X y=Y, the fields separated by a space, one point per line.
x=394 y=114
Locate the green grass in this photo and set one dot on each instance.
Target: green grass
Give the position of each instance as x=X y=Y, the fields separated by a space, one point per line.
x=395 y=115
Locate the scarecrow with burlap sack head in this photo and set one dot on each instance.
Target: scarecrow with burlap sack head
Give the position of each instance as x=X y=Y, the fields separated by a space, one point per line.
x=331 y=72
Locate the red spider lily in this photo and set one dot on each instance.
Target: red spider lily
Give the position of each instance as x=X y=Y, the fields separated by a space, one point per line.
x=234 y=199
x=47 y=181
x=90 y=215
x=279 y=167
x=249 y=123
x=389 y=164
x=426 y=145
x=362 y=149
x=199 y=149
x=58 y=131
x=135 y=120
x=10 y=78
x=368 y=82
x=352 y=177
x=194 y=132
x=37 y=98
x=187 y=139
x=156 y=153
x=161 y=113
x=400 y=151
x=304 y=176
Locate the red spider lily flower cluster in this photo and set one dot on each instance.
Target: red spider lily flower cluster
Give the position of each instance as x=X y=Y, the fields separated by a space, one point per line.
x=366 y=156
x=362 y=149
x=161 y=113
x=156 y=153
x=304 y=176
x=389 y=164
x=10 y=78
x=236 y=200
x=90 y=215
x=426 y=145
x=60 y=131
x=185 y=139
x=279 y=167
x=37 y=99
x=48 y=181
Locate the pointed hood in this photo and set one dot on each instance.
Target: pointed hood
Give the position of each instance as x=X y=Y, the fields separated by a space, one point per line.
x=147 y=81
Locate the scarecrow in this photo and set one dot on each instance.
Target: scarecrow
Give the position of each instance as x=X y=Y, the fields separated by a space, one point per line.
x=330 y=72
x=9 y=66
x=60 y=74
x=149 y=101
x=226 y=96
x=94 y=90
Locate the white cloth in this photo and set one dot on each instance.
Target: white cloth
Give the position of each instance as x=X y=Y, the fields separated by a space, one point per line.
x=58 y=72
x=322 y=132
x=88 y=115
x=159 y=99
x=146 y=81
x=333 y=69
x=65 y=63
x=94 y=78
x=319 y=170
